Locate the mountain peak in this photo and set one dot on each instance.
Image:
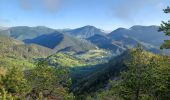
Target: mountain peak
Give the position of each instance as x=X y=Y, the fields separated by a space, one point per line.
x=88 y=26
x=41 y=27
x=85 y=32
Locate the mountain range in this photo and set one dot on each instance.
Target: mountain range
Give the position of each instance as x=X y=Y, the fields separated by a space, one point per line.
x=91 y=58
x=89 y=37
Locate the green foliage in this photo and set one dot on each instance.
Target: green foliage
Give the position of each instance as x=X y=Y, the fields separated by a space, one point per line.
x=73 y=59
x=146 y=78
x=167 y=10
x=4 y=95
x=14 y=81
x=7 y=62
x=93 y=57
x=161 y=73
x=18 y=83
x=64 y=60
x=165 y=27
x=166 y=44
x=49 y=81
x=136 y=79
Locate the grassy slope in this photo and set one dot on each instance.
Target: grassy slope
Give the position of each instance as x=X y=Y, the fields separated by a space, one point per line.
x=64 y=60
x=7 y=62
x=73 y=59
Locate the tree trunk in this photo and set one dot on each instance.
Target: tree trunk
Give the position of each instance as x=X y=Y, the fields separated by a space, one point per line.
x=137 y=95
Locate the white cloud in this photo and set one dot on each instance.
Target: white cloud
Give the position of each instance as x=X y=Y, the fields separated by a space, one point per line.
x=127 y=9
x=26 y=4
x=46 y=5
x=51 y=5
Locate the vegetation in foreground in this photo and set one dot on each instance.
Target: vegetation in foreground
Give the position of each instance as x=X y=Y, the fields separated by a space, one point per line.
x=139 y=75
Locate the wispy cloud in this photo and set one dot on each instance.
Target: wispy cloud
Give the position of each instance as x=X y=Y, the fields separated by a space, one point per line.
x=26 y=4
x=127 y=9
x=52 y=5
x=46 y=5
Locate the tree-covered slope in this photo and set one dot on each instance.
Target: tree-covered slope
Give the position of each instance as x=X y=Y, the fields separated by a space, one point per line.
x=14 y=48
x=61 y=42
x=99 y=80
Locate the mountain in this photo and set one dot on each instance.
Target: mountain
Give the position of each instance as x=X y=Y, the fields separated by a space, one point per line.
x=104 y=42
x=147 y=34
x=61 y=42
x=25 y=32
x=120 y=44
x=85 y=32
x=117 y=41
x=17 y=49
x=121 y=39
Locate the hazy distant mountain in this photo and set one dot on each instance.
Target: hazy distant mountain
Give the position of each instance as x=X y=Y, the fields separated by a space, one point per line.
x=147 y=34
x=117 y=41
x=121 y=39
x=61 y=42
x=85 y=32
x=24 y=32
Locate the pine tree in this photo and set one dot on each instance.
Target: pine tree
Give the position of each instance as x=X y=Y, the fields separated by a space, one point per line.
x=165 y=27
x=136 y=80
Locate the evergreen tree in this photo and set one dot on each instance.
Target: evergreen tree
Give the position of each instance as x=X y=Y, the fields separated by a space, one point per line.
x=160 y=87
x=136 y=80
x=165 y=27
x=15 y=82
x=47 y=82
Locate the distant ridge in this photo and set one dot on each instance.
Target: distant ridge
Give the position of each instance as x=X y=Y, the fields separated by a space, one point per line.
x=25 y=32
x=77 y=39
x=85 y=32
x=61 y=42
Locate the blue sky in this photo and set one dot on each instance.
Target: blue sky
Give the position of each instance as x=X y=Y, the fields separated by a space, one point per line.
x=104 y=14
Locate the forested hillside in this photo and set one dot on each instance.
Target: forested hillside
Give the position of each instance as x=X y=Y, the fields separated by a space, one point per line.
x=86 y=63
x=17 y=49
